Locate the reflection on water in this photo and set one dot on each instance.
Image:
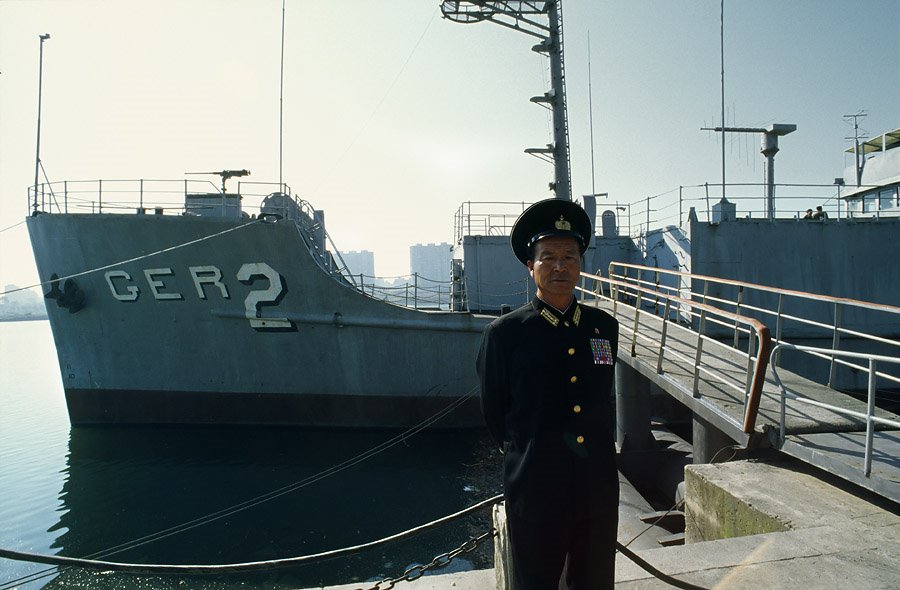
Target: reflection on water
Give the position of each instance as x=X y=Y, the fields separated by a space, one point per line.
x=123 y=484
x=116 y=485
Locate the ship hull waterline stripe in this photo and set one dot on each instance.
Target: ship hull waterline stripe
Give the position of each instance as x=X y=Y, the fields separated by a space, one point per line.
x=444 y=323
x=131 y=406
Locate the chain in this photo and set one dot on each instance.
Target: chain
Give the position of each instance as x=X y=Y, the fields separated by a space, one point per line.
x=443 y=560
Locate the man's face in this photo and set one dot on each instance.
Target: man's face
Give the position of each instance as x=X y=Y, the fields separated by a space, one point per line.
x=556 y=265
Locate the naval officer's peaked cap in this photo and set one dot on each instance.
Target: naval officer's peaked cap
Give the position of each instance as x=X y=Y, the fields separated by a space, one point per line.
x=552 y=217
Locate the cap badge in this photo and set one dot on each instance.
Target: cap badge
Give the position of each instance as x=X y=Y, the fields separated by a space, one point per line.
x=562 y=224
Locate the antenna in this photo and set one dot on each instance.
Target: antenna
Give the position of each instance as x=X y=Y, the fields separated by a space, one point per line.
x=722 y=62
x=591 y=112
x=37 y=154
x=280 y=109
x=527 y=16
x=860 y=161
x=768 y=149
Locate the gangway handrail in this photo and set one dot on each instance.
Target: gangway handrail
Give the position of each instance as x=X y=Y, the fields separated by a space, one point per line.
x=778 y=290
x=835 y=328
x=869 y=416
x=756 y=368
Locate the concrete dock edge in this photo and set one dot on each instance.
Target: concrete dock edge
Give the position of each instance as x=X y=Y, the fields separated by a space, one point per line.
x=823 y=535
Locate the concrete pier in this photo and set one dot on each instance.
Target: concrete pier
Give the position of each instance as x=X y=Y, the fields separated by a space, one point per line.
x=709 y=443
x=632 y=410
x=776 y=524
x=474 y=580
x=752 y=524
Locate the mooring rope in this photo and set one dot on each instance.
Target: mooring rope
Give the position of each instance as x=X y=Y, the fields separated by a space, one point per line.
x=135 y=259
x=268 y=565
x=403 y=436
x=273 y=564
x=252 y=566
x=12 y=226
x=647 y=567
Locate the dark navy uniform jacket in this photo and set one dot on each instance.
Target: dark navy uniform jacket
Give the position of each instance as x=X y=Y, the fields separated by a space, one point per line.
x=546 y=379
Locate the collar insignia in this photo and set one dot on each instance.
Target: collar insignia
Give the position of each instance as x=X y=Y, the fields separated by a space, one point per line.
x=576 y=317
x=562 y=224
x=548 y=315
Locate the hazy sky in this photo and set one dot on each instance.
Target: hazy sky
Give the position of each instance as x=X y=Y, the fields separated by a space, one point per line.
x=394 y=116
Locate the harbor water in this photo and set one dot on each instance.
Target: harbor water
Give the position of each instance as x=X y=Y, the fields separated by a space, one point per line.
x=213 y=495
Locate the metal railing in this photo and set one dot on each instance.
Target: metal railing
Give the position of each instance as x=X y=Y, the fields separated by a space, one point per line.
x=870 y=417
x=637 y=216
x=486 y=218
x=138 y=195
x=634 y=217
x=168 y=197
x=672 y=207
x=115 y=195
x=487 y=295
x=748 y=299
x=675 y=307
x=413 y=290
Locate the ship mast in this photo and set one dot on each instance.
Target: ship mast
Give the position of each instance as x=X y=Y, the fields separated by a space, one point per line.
x=527 y=16
x=768 y=149
x=860 y=159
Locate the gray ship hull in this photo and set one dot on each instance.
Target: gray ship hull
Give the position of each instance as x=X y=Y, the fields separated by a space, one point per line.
x=241 y=328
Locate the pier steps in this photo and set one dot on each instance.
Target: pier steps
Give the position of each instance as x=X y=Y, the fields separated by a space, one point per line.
x=776 y=524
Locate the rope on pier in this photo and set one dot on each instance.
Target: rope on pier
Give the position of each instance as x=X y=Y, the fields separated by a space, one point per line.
x=268 y=565
x=645 y=565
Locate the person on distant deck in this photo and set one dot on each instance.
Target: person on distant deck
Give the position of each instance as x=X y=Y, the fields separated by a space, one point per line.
x=546 y=372
x=809 y=214
x=820 y=213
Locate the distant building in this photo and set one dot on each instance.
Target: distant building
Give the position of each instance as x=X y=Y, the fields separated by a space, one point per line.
x=874 y=189
x=360 y=262
x=431 y=261
x=21 y=305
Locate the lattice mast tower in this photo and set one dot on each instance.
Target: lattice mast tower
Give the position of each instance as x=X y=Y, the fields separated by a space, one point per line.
x=528 y=17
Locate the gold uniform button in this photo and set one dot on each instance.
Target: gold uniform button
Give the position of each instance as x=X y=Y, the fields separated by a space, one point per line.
x=580 y=440
x=576 y=408
x=574 y=379
x=571 y=351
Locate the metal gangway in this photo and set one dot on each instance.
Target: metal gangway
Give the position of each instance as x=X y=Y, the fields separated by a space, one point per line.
x=750 y=361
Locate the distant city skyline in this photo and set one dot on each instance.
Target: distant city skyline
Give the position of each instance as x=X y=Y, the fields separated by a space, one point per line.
x=21 y=304
x=360 y=262
x=431 y=261
x=393 y=116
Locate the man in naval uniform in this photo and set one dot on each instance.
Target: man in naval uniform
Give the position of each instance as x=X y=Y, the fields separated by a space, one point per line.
x=546 y=373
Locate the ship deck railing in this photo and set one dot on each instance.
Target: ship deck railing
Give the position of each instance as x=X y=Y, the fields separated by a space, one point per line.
x=135 y=196
x=414 y=290
x=486 y=218
x=168 y=197
x=635 y=217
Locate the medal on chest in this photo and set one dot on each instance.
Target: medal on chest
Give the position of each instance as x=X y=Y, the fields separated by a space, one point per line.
x=602 y=351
